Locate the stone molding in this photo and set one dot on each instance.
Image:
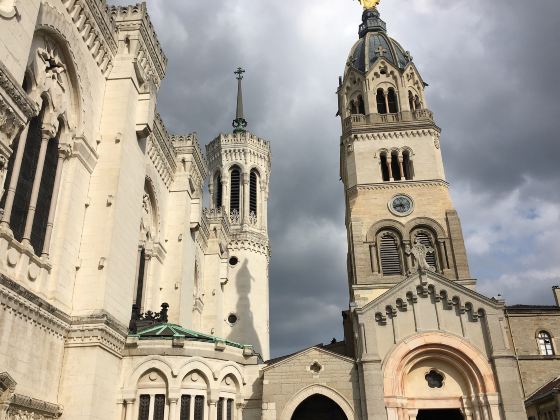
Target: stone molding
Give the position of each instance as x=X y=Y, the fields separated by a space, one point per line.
x=390 y=135
x=23 y=407
x=249 y=241
x=20 y=301
x=26 y=107
x=398 y=185
x=97 y=29
x=96 y=335
x=149 y=54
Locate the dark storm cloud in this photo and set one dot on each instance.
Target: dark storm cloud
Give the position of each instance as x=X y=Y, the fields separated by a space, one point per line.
x=491 y=66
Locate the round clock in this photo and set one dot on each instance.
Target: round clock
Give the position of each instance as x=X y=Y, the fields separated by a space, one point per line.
x=401 y=205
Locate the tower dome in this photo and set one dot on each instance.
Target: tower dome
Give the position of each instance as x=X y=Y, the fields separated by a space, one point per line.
x=374 y=43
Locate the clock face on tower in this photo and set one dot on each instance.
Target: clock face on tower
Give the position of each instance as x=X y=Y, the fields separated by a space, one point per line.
x=401 y=205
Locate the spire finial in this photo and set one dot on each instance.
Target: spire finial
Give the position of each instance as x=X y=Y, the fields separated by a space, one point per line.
x=239 y=124
x=369 y=4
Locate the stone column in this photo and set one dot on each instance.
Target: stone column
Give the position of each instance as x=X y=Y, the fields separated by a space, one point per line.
x=386 y=97
x=225 y=196
x=15 y=176
x=239 y=411
x=401 y=168
x=373 y=257
x=389 y=168
x=211 y=192
x=47 y=133
x=128 y=408
x=245 y=208
x=444 y=261
x=212 y=409
x=173 y=408
x=64 y=152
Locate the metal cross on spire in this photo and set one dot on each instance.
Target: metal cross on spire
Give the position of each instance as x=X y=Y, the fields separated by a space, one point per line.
x=239 y=124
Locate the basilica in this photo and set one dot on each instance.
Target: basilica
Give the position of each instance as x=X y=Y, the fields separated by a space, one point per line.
x=124 y=297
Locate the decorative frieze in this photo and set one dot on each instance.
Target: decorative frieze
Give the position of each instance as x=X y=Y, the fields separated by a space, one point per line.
x=248 y=241
x=97 y=29
x=398 y=185
x=392 y=135
x=244 y=147
x=24 y=407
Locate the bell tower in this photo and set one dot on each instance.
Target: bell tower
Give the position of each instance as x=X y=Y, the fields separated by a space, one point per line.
x=239 y=166
x=391 y=165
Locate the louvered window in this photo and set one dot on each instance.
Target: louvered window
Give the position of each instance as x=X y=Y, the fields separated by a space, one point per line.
x=229 y=409
x=425 y=240
x=199 y=407
x=545 y=344
x=218 y=191
x=389 y=256
x=221 y=409
x=159 y=407
x=253 y=193
x=235 y=190
x=144 y=409
x=185 y=407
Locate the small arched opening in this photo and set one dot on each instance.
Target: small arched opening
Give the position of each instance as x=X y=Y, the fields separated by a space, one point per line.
x=392 y=101
x=408 y=168
x=395 y=166
x=361 y=105
x=384 y=167
x=381 y=103
x=253 y=193
x=318 y=407
x=218 y=192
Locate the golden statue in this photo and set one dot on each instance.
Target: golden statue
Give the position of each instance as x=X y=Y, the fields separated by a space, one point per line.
x=369 y=4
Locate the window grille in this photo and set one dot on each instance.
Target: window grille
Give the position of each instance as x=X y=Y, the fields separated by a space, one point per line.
x=144 y=410
x=218 y=189
x=221 y=409
x=545 y=344
x=235 y=190
x=199 y=407
x=253 y=193
x=229 y=409
x=389 y=255
x=159 y=407
x=185 y=407
x=425 y=240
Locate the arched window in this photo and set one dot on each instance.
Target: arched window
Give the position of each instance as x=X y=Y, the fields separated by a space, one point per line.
x=235 y=196
x=381 y=104
x=411 y=101
x=545 y=344
x=393 y=103
x=407 y=166
x=253 y=184
x=395 y=166
x=390 y=254
x=384 y=167
x=427 y=239
x=353 y=108
x=361 y=105
x=218 y=199
x=152 y=388
x=193 y=398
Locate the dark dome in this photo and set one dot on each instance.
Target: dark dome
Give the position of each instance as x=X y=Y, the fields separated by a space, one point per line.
x=374 y=44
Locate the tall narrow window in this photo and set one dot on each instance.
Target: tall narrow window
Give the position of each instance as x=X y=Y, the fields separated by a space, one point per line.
x=381 y=104
x=229 y=409
x=392 y=99
x=395 y=166
x=424 y=239
x=384 y=168
x=407 y=166
x=545 y=344
x=159 y=407
x=235 y=190
x=389 y=255
x=26 y=176
x=199 y=407
x=417 y=103
x=353 y=108
x=140 y=279
x=45 y=195
x=218 y=191
x=185 y=407
x=361 y=105
x=220 y=409
x=411 y=101
x=253 y=192
x=144 y=409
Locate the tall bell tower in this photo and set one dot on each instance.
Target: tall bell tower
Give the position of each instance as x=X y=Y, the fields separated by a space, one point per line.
x=392 y=169
x=239 y=166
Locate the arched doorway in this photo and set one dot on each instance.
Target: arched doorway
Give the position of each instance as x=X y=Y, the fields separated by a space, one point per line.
x=318 y=407
x=439 y=415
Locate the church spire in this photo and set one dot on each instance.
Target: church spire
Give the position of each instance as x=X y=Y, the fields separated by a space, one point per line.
x=239 y=124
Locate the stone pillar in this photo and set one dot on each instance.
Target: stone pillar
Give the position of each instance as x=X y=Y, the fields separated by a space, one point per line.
x=239 y=411
x=372 y=377
x=15 y=176
x=128 y=408
x=389 y=168
x=173 y=403
x=46 y=134
x=211 y=192
x=386 y=97
x=245 y=209
x=401 y=168
x=64 y=152
x=225 y=196
x=212 y=409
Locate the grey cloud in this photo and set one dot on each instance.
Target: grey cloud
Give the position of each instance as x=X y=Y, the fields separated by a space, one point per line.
x=491 y=66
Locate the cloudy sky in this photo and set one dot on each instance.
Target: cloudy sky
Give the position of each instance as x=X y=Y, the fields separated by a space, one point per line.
x=492 y=68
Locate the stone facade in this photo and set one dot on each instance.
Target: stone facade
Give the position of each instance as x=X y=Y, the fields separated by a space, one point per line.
x=103 y=224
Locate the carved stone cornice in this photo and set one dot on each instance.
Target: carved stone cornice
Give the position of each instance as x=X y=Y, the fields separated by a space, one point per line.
x=97 y=29
x=250 y=241
x=22 y=406
x=20 y=301
x=390 y=135
x=245 y=148
x=398 y=185
x=12 y=91
x=149 y=55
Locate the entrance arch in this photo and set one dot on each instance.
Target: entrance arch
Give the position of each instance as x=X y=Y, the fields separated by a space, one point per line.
x=435 y=373
x=320 y=390
x=318 y=407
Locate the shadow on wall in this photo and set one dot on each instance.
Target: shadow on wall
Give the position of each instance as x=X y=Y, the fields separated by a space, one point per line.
x=244 y=330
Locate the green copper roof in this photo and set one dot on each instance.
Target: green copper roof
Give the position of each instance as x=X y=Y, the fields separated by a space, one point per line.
x=170 y=331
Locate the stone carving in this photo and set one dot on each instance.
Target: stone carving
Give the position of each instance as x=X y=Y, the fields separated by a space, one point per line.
x=252 y=218
x=235 y=217
x=147 y=319
x=420 y=251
